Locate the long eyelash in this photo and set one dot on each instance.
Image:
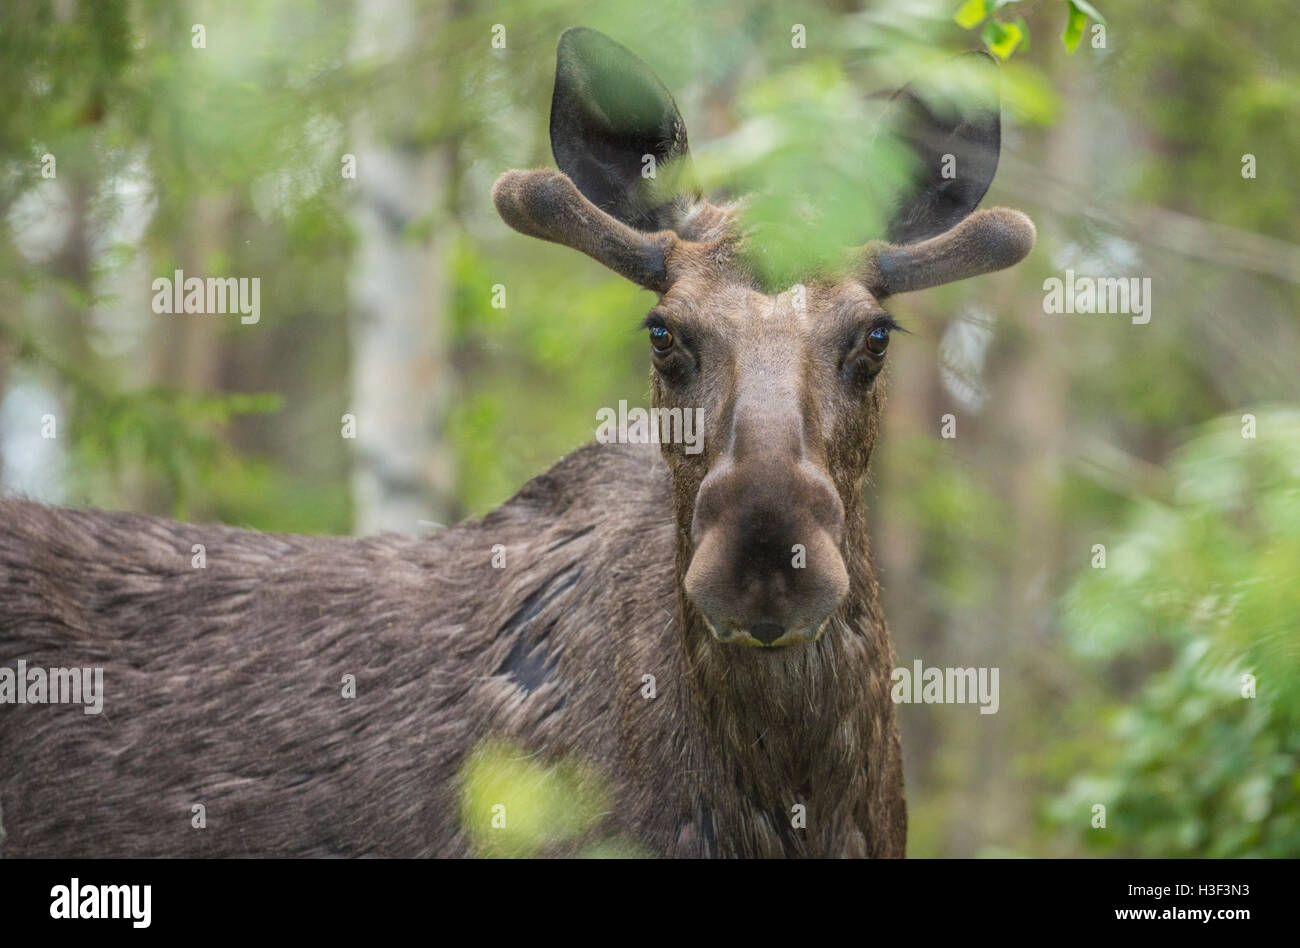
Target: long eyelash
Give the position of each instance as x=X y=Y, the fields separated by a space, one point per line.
x=652 y=320
x=885 y=321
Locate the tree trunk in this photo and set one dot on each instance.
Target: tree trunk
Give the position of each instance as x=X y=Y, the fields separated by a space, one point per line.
x=400 y=294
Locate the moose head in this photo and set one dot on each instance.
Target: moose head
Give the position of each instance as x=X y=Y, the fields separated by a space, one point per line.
x=769 y=512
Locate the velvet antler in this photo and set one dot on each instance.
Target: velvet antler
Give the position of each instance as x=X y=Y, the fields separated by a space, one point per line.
x=986 y=241
x=548 y=205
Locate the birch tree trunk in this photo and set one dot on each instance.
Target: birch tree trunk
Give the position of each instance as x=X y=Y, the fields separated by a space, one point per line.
x=403 y=470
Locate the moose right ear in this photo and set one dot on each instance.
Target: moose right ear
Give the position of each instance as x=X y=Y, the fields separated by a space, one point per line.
x=610 y=117
x=957 y=154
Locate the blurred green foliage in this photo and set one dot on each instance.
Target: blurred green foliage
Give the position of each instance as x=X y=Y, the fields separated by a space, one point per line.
x=513 y=804
x=1198 y=600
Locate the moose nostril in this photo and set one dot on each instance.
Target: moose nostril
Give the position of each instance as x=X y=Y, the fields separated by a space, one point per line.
x=767 y=632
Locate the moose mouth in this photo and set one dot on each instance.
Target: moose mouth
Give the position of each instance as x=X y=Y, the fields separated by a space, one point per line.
x=760 y=637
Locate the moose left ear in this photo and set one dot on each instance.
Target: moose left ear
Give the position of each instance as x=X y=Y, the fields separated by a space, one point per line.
x=956 y=150
x=610 y=115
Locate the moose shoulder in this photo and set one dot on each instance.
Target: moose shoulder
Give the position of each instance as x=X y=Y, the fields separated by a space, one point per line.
x=737 y=574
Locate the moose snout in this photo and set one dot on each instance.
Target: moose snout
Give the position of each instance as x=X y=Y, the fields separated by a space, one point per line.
x=767 y=568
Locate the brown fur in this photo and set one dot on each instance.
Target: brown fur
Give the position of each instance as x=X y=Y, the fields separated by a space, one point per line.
x=223 y=684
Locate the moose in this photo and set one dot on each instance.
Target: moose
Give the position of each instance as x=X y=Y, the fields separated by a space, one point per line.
x=739 y=576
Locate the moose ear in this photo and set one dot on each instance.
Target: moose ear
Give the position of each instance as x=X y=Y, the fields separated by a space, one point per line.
x=956 y=150
x=610 y=115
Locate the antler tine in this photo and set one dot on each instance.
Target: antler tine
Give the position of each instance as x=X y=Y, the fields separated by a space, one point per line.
x=548 y=205
x=987 y=240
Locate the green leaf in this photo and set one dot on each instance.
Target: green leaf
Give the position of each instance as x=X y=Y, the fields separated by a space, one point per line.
x=1002 y=38
x=971 y=13
x=1024 y=32
x=1074 y=25
x=1088 y=9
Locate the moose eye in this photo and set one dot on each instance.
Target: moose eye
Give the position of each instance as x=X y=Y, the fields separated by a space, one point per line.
x=660 y=339
x=878 y=341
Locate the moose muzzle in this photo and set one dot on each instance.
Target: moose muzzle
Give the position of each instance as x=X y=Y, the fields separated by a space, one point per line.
x=767 y=568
